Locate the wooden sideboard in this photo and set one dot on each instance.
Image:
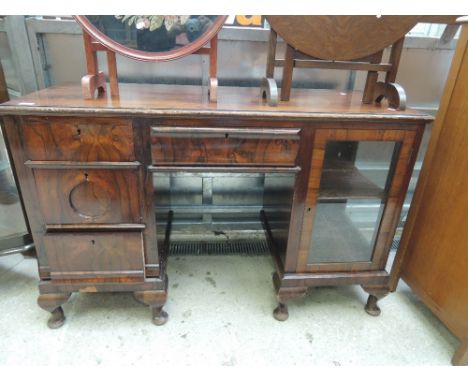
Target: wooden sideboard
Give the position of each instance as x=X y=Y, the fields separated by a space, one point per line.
x=86 y=169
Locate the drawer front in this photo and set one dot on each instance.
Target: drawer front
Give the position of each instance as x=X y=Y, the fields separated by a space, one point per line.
x=79 y=140
x=88 y=196
x=106 y=256
x=247 y=146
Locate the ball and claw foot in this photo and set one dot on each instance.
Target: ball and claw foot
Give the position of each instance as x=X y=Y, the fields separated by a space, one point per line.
x=160 y=317
x=371 y=307
x=57 y=318
x=281 y=312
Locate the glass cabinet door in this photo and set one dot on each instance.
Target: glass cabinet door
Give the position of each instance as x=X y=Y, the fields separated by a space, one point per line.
x=14 y=235
x=355 y=182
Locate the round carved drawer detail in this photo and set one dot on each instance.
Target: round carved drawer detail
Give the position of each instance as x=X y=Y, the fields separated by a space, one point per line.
x=89 y=200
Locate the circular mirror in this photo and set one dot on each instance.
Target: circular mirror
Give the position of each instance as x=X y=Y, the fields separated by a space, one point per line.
x=152 y=38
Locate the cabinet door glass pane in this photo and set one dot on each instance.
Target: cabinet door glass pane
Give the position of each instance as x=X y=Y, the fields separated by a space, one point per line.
x=353 y=190
x=11 y=215
x=344 y=231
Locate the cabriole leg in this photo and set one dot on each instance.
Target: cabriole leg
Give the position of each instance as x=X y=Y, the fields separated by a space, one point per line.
x=284 y=294
x=155 y=300
x=52 y=302
x=375 y=294
x=159 y=316
x=281 y=312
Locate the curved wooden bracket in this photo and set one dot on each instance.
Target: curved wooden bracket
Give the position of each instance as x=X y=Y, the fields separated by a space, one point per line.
x=213 y=90
x=269 y=91
x=92 y=82
x=394 y=93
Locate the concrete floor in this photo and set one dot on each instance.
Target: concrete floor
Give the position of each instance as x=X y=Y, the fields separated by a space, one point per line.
x=219 y=314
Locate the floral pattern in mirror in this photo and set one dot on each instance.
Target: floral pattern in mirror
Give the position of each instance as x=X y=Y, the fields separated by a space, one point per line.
x=153 y=22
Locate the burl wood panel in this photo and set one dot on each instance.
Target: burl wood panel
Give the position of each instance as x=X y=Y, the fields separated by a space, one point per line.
x=80 y=256
x=225 y=146
x=78 y=139
x=88 y=196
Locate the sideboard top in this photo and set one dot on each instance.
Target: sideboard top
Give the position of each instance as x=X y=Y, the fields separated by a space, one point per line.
x=192 y=101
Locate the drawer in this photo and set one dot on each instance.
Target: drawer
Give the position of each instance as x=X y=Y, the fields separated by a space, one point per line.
x=106 y=256
x=88 y=196
x=241 y=146
x=79 y=139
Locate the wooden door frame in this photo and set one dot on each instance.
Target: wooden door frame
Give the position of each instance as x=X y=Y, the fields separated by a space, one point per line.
x=404 y=162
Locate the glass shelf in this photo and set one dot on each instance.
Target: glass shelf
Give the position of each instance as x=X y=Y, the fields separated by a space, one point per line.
x=341 y=179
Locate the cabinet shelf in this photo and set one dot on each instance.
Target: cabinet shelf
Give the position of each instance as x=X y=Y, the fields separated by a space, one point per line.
x=342 y=180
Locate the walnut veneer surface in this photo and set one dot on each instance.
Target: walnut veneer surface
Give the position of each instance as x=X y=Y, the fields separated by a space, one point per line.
x=159 y=100
x=86 y=168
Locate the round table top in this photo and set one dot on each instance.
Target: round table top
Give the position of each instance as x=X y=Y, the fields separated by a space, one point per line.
x=341 y=37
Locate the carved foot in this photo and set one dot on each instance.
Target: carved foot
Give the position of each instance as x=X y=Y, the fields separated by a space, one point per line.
x=284 y=294
x=371 y=307
x=394 y=93
x=57 y=319
x=156 y=300
x=160 y=316
x=51 y=303
x=269 y=91
x=281 y=312
x=375 y=294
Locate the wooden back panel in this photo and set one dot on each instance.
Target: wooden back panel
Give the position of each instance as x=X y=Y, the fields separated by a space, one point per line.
x=433 y=253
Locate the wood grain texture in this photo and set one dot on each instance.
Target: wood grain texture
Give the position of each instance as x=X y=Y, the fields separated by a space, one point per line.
x=83 y=140
x=75 y=256
x=26 y=183
x=191 y=102
x=224 y=146
x=341 y=37
x=142 y=134
x=88 y=196
x=432 y=257
x=96 y=183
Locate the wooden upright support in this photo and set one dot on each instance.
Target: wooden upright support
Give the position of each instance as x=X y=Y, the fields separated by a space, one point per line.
x=95 y=80
x=374 y=90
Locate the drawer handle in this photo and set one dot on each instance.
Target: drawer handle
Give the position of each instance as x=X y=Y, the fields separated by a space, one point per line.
x=210 y=132
x=77 y=135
